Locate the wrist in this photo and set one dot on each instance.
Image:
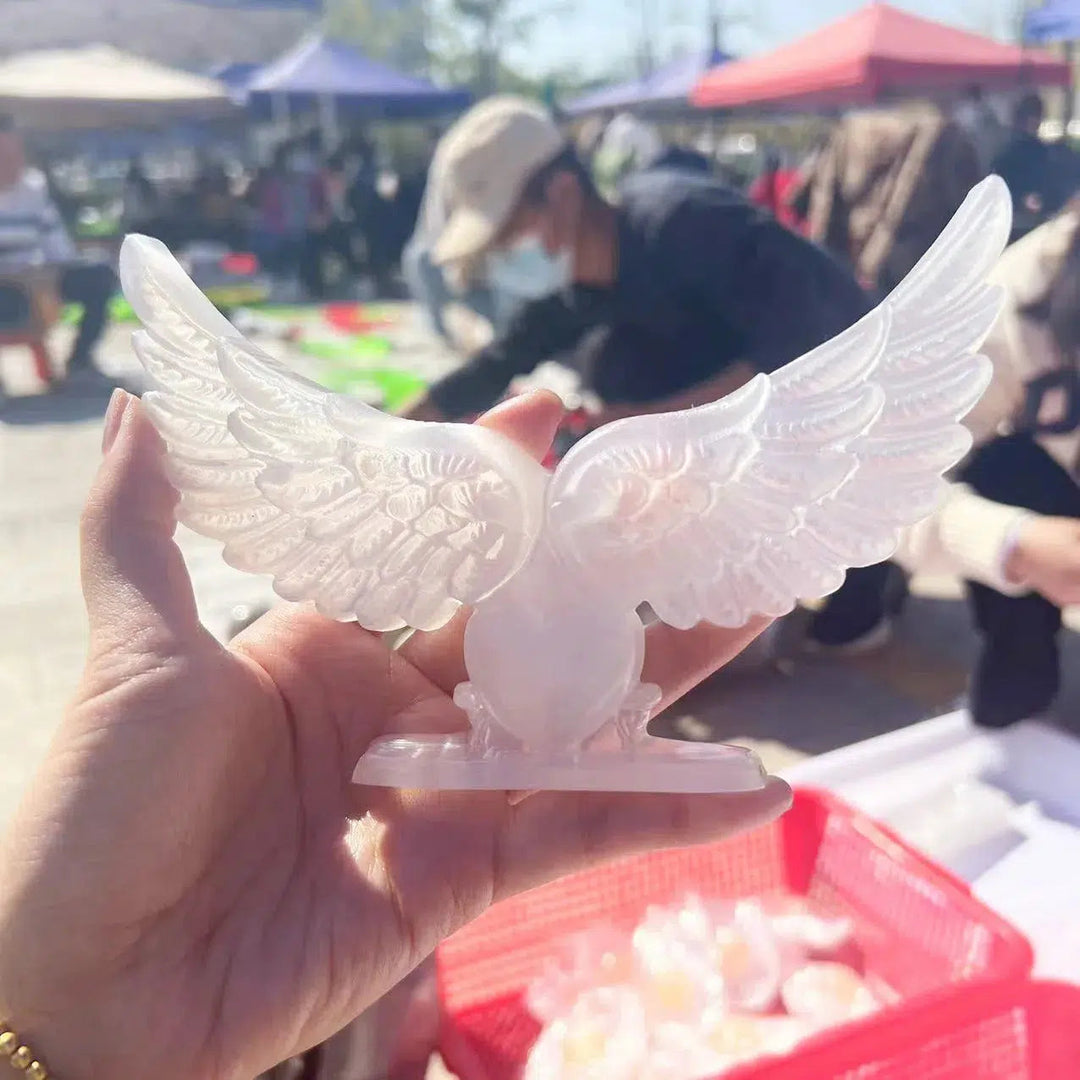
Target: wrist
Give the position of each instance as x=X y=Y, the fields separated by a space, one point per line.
x=20 y=1056
x=42 y=1037
x=88 y=1021
x=71 y=1041
x=75 y=1050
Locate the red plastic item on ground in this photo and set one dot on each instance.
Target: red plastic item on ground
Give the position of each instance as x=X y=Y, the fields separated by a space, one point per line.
x=352 y=319
x=1010 y=1031
x=919 y=929
x=240 y=263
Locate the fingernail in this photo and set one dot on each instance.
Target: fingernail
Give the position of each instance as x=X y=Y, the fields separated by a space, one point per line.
x=114 y=416
x=759 y=808
x=509 y=405
x=781 y=799
x=789 y=796
x=517 y=401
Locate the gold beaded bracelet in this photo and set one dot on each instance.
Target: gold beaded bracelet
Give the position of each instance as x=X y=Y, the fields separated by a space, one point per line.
x=19 y=1056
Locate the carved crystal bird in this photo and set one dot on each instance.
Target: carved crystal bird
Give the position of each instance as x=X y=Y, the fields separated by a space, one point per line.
x=718 y=513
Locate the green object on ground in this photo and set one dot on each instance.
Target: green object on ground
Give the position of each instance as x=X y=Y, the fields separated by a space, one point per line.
x=97 y=230
x=397 y=388
x=119 y=311
x=362 y=348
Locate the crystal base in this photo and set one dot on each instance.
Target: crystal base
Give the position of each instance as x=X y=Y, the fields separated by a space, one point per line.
x=656 y=765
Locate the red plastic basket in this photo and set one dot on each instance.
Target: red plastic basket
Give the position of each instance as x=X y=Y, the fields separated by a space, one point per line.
x=920 y=929
x=1004 y=1031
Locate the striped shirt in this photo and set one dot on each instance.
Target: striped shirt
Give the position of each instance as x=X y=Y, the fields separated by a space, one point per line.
x=31 y=230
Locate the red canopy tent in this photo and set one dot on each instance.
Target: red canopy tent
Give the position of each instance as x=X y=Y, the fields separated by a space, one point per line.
x=878 y=48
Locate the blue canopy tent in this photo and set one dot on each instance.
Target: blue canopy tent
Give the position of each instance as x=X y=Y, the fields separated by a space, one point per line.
x=1056 y=20
x=235 y=76
x=337 y=80
x=668 y=87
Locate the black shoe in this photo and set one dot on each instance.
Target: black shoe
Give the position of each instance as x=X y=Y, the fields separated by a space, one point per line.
x=858 y=617
x=870 y=640
x=1014 y=683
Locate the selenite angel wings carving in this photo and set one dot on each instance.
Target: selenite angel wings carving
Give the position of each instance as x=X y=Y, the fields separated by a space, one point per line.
x=739 y=507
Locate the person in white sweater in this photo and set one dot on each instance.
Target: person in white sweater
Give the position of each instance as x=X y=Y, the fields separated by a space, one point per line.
x=33 y=235
x=1011 y=524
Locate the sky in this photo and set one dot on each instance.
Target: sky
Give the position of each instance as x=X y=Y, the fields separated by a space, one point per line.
x=594 y=36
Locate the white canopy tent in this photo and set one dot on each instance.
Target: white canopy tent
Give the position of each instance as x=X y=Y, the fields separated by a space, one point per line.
x=98 y=86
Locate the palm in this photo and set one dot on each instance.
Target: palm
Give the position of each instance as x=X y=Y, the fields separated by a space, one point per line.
x=285 y=921
x=208 y=866
x=367 y=881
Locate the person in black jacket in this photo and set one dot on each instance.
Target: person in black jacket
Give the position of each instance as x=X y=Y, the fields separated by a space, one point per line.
x=1041 y=176
x=676 y=296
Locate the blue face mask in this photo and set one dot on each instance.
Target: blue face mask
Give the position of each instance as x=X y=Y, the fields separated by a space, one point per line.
x=526 y=271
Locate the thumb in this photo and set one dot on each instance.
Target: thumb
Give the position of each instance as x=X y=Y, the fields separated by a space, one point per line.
x=531 y=420
x=135 y=584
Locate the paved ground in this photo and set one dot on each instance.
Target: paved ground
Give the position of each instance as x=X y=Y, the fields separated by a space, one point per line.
x=48 y=453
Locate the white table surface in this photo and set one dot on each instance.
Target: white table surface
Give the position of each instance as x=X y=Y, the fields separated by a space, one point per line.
x=1020 y=853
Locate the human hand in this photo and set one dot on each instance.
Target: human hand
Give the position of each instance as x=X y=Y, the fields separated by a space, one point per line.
x=1046 y=558
x=193 y=887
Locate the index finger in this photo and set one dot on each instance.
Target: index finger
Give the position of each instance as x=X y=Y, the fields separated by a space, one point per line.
x=561 y=832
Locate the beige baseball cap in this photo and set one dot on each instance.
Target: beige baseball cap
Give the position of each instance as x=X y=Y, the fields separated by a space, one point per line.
x=484 y=162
